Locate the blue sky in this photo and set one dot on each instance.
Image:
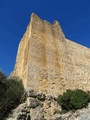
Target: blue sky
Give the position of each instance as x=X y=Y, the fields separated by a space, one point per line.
x=73 y=15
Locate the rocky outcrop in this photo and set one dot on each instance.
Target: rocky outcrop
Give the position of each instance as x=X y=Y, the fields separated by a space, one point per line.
x=48 y=62
x=37 y=107
x=45 y=107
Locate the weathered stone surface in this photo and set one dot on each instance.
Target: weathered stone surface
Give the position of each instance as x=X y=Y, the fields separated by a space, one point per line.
x=31 y=93
x=33 y=102
x=37 y=114
x=49 y=110
x=17 y=113
x=35 y=109
x=41 y=96
x=48 y=62
x=83 y=114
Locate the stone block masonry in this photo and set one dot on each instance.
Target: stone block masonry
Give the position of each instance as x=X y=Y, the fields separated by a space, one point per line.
x=48 y=62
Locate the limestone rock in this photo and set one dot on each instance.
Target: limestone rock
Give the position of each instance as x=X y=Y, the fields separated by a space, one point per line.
x=31 y=93
x=41 y=97
x=17 y=112
x=83 y=114
x=35 y=109
x=33 y=102
x=48 y=97
x=46 y=110
x=48 y=62
x=37 y=114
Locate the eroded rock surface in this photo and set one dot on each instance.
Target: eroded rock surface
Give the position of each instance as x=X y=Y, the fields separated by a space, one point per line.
x=48 y=109
x=48 y=62
x=35 y=108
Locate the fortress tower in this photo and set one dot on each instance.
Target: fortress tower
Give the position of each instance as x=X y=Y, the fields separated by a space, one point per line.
x=48 y=62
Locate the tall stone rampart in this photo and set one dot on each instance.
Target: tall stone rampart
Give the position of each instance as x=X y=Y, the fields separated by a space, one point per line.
x=48 y=62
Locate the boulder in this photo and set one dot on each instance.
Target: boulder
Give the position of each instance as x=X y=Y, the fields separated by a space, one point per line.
x=33 y=102
x=31 y=93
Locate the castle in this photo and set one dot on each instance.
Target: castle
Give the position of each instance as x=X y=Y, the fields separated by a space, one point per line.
x=48 y=62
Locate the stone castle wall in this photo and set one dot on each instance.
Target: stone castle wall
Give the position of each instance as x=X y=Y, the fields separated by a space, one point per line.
x=48 y=62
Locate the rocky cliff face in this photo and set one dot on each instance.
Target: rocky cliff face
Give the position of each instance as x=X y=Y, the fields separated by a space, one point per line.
x=47 y=62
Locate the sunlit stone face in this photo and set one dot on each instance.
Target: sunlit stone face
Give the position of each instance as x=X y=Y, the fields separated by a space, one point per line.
x=48 y=62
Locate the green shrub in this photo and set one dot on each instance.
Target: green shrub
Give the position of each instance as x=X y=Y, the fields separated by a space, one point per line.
x=2 y=76
x=11 y=91
x=73 y=100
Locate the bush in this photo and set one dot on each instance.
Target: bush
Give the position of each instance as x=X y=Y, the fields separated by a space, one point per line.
x=73 y=100
x=11 y=91
x=2 y=76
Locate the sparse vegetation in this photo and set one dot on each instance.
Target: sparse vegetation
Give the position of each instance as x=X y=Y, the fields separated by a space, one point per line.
x=73 y=99
x=11 y=91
